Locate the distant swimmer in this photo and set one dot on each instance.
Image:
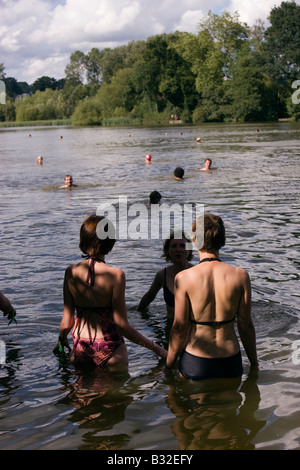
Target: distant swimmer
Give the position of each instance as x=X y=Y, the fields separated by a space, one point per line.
x=39 y=160
x=207 y=165
x=68 y=182
x=199 y=140
x=179 y=173
x=155 y=197
x=148 y=158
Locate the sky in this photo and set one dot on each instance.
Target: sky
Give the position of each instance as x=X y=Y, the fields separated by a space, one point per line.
x=37 y=37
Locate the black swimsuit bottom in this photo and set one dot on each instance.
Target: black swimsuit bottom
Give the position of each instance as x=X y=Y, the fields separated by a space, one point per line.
x=199 y=368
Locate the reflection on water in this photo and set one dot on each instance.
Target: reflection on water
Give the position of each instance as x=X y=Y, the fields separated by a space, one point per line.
x=216 y=414
x=46 y=404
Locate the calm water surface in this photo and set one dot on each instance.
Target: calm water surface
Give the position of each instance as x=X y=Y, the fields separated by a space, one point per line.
x=49 y=405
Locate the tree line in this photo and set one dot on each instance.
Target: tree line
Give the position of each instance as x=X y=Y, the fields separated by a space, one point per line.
x=226 y=72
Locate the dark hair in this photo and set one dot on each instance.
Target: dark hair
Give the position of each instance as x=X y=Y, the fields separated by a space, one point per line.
x=179 y=172
x=211 y=231
x=167 y=242
x=155 y=197
x=90 y=242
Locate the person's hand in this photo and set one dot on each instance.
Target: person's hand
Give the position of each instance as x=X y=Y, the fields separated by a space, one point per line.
x=59 y=348
x=11 y=315
x=160 y=351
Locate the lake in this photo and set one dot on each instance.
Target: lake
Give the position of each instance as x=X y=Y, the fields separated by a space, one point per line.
x=46 y=404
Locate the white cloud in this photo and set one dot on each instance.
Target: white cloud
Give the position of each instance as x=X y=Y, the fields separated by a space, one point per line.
x=251 y=10
x=38 y=36
x=190 y=21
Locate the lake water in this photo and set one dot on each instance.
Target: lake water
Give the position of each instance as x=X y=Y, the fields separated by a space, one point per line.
x=50 y=405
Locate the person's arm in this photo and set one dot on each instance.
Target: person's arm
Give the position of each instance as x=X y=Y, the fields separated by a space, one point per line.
x=151 y=293
x=121 y=321
x=244 y=322
x=180 y=326
x=68 y=314
x=6 y=306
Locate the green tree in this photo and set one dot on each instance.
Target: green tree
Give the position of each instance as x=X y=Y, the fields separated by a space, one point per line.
x=75 y=71
x=282 y=43
x=43 y=83
x=12 y=87
x=118 y=94
x=87 y=113
x=93 y=66
x=148 y=71
x=42 y=105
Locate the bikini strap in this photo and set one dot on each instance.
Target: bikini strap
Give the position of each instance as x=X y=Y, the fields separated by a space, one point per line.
x=216 y=324
x=91 y=271
x=209 y=259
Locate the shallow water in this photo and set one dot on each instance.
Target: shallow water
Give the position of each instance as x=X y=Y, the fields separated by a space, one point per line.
x=46 y=404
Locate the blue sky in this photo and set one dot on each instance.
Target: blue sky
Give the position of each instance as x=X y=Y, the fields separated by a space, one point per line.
x=38 y=36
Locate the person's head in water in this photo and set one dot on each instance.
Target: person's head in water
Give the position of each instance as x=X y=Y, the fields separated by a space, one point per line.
x=155 y=197
x=68 y=180
x=182 y=239
x=179 y=173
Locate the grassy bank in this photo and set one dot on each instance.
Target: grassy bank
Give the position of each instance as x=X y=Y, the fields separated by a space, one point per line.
x=54 y=122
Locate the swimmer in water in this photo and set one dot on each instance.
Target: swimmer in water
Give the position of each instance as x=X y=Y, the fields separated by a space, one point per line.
x=176 y=251
x=178 y=173
x=39 y=160
x=207 y=165
x=155 y=197
x=68 y=182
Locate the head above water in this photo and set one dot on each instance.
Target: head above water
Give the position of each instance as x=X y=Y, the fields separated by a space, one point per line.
x=209 y=228
x=90 y=243
x=176 y=236
x=208 y=163
x=179 y=172
x=68 y=180
x=155 y=197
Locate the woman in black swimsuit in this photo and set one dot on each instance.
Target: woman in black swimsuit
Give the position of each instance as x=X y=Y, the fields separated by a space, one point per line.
x=208 y=298
x=174 y=250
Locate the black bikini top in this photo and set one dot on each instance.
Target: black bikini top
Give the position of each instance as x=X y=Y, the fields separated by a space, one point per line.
x=215 y=324
x=209 y=259
x=91 y=271
x=168 y=295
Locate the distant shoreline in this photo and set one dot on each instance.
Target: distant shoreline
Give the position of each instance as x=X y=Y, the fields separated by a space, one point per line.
x=68 y=122
x=48 y=122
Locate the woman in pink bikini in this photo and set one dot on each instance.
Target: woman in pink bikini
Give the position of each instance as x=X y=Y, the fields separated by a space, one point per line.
x=96 y=292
